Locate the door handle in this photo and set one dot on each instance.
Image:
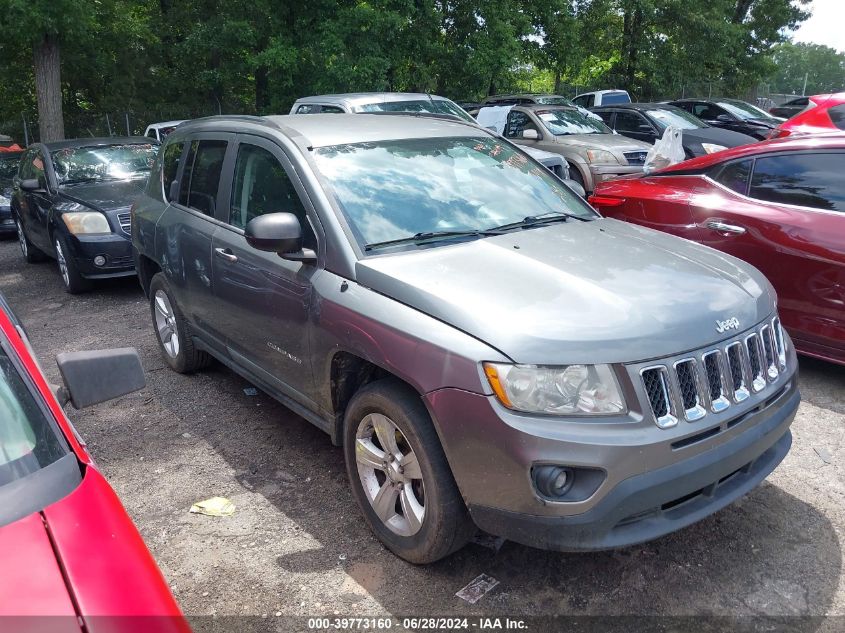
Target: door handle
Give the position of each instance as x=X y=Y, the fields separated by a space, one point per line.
x=226 y=254
x=724 y=227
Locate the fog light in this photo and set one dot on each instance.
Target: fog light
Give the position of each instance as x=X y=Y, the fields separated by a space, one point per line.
x=553 y=481
x=100 y=260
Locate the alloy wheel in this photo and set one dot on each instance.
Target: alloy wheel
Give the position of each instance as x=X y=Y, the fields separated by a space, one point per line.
x=166 y=324
x=60 y=258
x=22 y=239
x=390 y=474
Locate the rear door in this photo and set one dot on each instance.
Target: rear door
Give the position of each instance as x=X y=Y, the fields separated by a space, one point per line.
x=186 y=228
x=785 y=214
x=263 y=301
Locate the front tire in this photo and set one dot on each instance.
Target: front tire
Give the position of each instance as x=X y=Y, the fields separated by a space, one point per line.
x=172 y=330
x=399 y=474
x=73 y=281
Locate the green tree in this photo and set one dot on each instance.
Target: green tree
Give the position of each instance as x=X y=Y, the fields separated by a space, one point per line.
x=824 y=68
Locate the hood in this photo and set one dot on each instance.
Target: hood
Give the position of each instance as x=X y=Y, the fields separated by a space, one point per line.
x=716 y=135
x=105 y=196
x=31 y=583
x=577 y=292
x=603 y=141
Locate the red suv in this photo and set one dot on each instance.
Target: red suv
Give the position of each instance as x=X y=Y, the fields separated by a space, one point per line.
x=779 y=205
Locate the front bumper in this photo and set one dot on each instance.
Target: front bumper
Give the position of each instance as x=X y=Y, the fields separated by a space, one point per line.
x=115 y=248
x=603 y=173
x=644 y=495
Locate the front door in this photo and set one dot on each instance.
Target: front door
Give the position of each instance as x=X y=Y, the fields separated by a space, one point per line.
x=35 y=205
x=264 y=301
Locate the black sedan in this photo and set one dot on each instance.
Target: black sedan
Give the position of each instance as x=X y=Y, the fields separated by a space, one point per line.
x=732 y=114
x=8 y=169
x=648 y=121
x=71 y=201
x=790 y=108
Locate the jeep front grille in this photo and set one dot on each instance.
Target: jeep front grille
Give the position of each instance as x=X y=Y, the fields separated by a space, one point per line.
x=714 y=379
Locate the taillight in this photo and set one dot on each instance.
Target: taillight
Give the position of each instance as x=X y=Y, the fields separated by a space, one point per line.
x=605 y=201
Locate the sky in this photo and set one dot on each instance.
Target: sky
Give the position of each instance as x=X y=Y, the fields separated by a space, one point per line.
x=826 y=25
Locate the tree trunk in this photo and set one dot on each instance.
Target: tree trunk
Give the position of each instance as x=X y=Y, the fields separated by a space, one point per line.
x=262 y=89
x=557 y=81
x=48 y=87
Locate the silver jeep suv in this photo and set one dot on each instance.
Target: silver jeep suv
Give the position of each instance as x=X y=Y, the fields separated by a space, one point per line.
x=488 y=350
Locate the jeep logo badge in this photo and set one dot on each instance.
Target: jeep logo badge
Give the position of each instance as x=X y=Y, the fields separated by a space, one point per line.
x=727 y=324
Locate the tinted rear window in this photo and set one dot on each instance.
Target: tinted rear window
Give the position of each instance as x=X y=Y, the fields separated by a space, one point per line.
x=837 y=115
x=808 y=180
x=735 y=176
x=615 y=97
x=198 y=188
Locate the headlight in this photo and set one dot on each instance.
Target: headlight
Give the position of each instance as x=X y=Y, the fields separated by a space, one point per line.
x=564 y=390
x=4 y=201
x=601 y=157
x=79 y=222
x=712 y=147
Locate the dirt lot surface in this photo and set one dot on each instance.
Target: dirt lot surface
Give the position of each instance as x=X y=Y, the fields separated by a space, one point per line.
x=297 y=545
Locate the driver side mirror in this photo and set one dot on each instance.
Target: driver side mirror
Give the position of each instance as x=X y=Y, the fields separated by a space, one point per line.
x=724 y=118
x=279 y=233
x=32 y=185
x=530 y=135
x=94 y=377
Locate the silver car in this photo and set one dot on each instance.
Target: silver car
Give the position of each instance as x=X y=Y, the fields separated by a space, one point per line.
x=487 y=350
x=357 y=102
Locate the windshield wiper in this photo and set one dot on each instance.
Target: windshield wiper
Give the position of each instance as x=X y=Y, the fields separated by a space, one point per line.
x=431 y=236
x=543 y=218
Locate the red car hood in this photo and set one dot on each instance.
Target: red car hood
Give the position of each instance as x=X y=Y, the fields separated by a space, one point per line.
x=83 y=556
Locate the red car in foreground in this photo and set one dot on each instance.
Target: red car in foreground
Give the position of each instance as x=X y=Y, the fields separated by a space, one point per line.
x=823 y=114
x=72 y=560
x=779 y=205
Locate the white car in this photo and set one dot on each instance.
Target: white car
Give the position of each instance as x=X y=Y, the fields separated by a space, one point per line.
x=159 y=131
x=602 y=97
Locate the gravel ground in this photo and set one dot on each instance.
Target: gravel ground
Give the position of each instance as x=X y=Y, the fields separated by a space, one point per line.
x=296 y=544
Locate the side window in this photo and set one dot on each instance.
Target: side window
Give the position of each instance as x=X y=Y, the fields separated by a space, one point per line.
x=735 y=176
x=170 y=166
x=808 y=180
x=517 y=123
x=837 y=115
x=308 y=108
x=198 y=189
x=331 y=110
x=579 y=101
x=25 y=167
x=606 y=117
x=32 y=166
x=707 y=111
x=629 y=122
x=262 y=186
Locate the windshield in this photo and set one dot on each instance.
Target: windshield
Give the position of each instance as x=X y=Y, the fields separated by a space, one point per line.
x=554 y=101
x=28 y=441
x=563 y=122
x=103 y=162
x=677 y=117
x=744 y=110
x=8 y=167
x=391 y=190
x=435 y=106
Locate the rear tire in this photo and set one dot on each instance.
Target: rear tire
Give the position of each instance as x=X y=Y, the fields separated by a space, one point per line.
x=73 y=281
x=172 y=330
x=31 y=254
x=407 y=493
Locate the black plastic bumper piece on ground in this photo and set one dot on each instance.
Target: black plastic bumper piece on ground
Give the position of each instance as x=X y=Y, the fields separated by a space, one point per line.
x=656 y=503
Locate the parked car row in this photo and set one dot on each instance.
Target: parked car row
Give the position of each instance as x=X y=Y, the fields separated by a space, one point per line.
x=488 y=350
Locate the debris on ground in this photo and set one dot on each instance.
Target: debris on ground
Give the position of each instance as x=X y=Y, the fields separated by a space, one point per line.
x=476 y=589
x=251 y=391
x=824 y=455
x=214 y=507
